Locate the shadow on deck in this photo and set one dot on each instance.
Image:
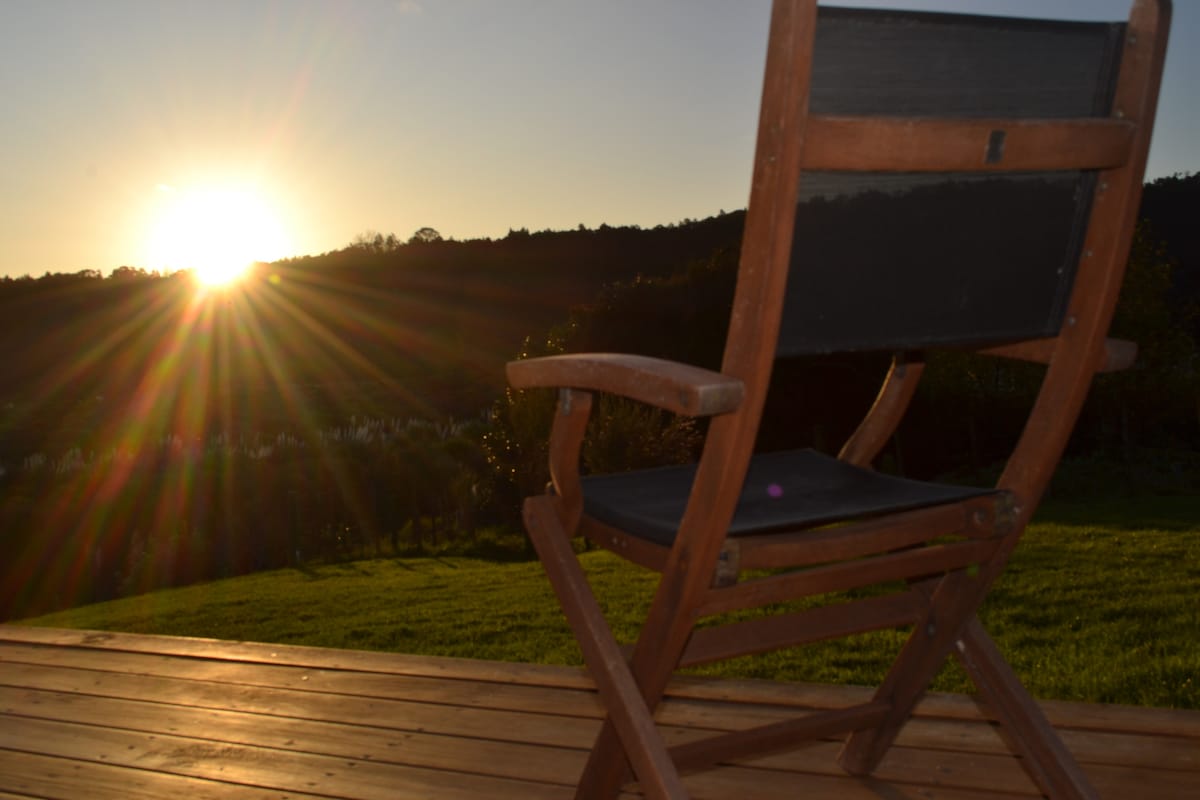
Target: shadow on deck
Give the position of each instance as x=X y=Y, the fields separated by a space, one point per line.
x=113 y=715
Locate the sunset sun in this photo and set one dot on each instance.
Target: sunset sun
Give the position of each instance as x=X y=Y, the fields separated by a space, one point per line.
x=216 y=232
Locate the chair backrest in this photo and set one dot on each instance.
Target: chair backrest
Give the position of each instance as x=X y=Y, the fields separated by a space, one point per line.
x=937 y=179
x=908 y=260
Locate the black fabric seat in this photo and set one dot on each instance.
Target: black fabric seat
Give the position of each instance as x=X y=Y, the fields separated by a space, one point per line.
x=782 y=491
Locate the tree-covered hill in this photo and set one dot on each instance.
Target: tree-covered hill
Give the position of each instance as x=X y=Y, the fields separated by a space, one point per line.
x=1171 y=207
x=382 y=327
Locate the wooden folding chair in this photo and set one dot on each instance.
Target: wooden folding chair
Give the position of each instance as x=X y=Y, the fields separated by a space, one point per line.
x=921 y=181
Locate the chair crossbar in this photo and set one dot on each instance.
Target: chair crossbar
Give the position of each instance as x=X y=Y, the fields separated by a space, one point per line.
x=765 y=634
x=642 y=552
x=856 y=539
x=776 y=736
x=921 y=562
x=913 y=144
x=1116 y=355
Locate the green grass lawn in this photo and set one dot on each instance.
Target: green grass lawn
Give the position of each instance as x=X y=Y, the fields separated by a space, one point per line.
x=1099 y=604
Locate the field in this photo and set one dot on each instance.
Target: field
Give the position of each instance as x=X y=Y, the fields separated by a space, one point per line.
x=1098 y=605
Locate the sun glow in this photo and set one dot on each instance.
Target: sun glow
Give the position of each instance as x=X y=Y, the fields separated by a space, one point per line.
x=217 y=232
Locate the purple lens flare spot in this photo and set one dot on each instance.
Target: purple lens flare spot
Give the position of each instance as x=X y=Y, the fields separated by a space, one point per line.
x=774 y=490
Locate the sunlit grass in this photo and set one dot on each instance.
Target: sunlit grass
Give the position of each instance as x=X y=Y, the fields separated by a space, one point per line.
x=1097 y=611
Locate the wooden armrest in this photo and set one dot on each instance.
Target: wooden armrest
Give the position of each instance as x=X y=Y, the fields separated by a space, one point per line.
x=676 y=387
x=1118 y=354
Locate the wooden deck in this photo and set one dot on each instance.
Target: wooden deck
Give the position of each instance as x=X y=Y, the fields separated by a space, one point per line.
x=112 y=715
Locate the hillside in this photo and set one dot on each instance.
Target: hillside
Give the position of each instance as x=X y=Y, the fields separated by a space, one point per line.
x=379 y=328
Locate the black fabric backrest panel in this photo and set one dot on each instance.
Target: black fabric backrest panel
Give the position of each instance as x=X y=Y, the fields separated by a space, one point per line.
x=905 y=261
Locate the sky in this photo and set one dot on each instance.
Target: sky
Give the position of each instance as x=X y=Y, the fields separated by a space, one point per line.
x=137 y=132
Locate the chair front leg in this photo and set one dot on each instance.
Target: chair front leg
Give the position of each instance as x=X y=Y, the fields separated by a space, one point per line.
x=629 y=715
x=608 y=766
x=660 y=647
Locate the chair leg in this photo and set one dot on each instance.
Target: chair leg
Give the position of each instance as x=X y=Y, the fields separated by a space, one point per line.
x=951 y=602
x=1043 y=753
x=660 y=645
x=607 y=768
x=628 y=715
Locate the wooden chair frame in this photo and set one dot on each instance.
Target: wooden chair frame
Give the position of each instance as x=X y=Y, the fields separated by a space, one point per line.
x=700 y=570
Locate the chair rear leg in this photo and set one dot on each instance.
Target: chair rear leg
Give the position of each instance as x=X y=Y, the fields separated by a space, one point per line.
x=952 y=601
x=629 y=718
x=1043 y=753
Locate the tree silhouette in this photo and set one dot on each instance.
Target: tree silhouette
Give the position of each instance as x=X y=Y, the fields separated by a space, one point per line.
x=425 y=236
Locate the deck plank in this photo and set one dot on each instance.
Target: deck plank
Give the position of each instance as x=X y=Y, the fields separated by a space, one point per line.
x=86 y=708
x=32 y=775
x=341 y=739
x=461 y=691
